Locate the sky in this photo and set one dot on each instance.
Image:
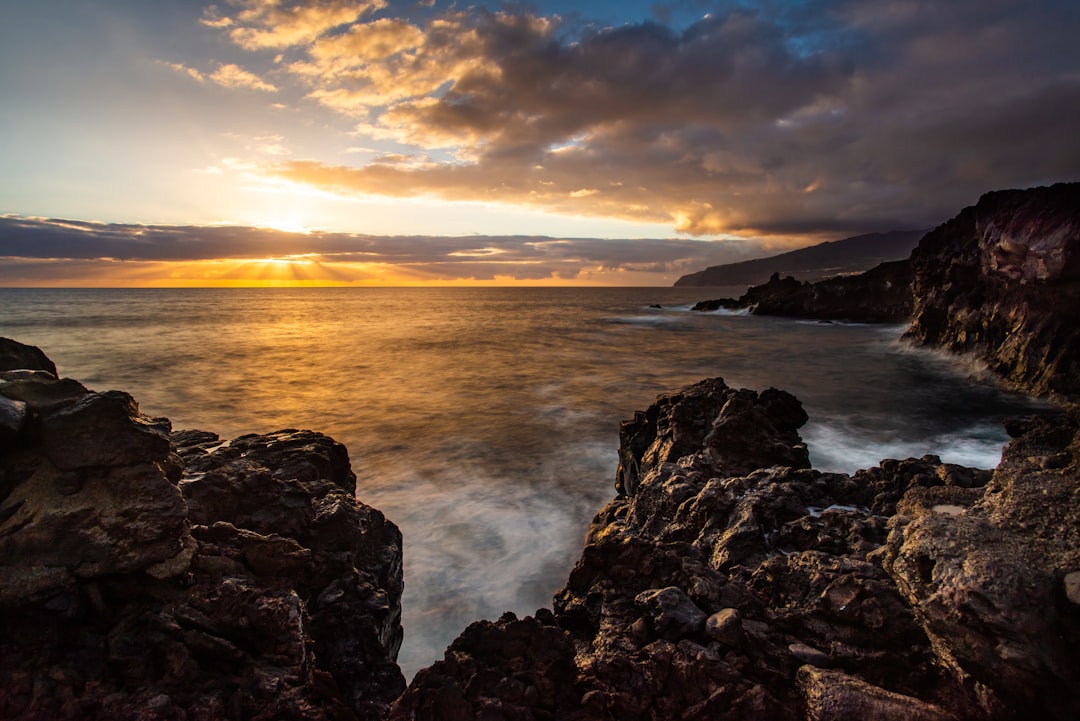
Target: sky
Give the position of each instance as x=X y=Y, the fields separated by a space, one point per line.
x=371 y=142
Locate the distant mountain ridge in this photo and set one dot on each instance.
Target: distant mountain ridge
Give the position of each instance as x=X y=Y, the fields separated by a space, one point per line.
x=834 y=257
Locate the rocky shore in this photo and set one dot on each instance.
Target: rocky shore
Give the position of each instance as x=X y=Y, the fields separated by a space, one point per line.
x=150 y=574
x=146 y=574
x=728 y=580
x=154 y=574
x=1000 y=282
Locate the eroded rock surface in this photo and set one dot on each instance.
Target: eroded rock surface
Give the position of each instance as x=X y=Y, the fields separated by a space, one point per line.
x=149 y=575
x=709 y=591
x=1001 y=280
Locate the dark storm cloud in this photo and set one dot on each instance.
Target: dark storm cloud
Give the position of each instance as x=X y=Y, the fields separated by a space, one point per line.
x=803 y=118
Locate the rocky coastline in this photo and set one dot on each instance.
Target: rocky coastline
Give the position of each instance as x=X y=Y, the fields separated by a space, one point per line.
x=153 y=574
x=1000 y=283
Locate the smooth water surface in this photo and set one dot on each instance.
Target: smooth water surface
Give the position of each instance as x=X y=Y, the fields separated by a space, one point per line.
x=484 y=422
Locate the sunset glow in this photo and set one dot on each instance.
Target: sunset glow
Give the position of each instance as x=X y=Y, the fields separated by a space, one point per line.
x=718 y=131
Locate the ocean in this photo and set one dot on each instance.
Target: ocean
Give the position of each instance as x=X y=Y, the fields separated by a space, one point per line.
x=484 y=421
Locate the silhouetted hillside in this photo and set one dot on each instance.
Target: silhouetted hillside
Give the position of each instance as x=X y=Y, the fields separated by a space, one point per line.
x=836 y=257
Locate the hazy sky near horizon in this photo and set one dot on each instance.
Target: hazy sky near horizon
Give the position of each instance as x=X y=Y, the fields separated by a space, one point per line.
x=642 y=139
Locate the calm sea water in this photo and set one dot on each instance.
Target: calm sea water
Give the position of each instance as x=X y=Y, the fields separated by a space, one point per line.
x=484 y=422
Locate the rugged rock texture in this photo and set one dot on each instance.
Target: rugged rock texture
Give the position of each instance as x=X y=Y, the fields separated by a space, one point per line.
x=880 y=295
x=145 y=575
x=988 y=579
x=914 y=590
x=1001 y=280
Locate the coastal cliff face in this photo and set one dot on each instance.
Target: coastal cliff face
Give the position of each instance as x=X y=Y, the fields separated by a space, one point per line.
x=157 y=575
x=729 y=580
x=1001 y=280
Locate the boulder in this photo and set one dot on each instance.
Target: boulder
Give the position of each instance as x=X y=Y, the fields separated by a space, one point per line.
x=42 y=392
x=734 y=430
x=19 y=356
x=98 y=495
x=103 y=430
x=837 y=696
x=989 y=585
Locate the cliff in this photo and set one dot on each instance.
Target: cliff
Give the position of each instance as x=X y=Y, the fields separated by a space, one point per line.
x=836 y=257
x=146 y=574
x=1000 y=282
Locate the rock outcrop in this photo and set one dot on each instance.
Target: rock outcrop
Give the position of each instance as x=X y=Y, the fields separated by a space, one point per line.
x=146 y=574
x=1001 y=281
x=730 y=580
x=880 y=295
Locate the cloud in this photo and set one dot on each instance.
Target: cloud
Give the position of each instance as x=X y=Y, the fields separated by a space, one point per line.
x=261 y=24
x=233 y=76
x=185 y=70
x=227 y=75
x=803 y=120
x=37 y=249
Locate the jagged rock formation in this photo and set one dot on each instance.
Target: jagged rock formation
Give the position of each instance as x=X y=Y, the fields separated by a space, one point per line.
x=1001 y=280
x=880 y=295
x=914 y=590
x=145 y=575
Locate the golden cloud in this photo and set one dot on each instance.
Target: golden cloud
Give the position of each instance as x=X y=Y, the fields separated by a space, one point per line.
x=234 y=76
x=744 y=122
x=272 y=24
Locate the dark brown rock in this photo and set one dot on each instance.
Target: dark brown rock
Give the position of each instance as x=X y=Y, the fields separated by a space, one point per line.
x=915 y=589
x=41 y=391
x=836 y=696
x=103 y=430
x=985 y=576
x=12 y=419
x=880 y=295
x=257 y=587
x=735 y=430
x=1001 y=281
x=19 y=356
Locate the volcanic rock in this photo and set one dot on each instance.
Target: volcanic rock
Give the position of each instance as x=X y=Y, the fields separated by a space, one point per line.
x=19 y=356
x=880 y=295
x=707 y=591
x=155 y=576
x=1001 y=281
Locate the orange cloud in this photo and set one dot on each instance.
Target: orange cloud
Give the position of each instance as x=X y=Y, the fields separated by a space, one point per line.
x=227 y=75
x=265 y=24
x=234 y=76
x=767 y=120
